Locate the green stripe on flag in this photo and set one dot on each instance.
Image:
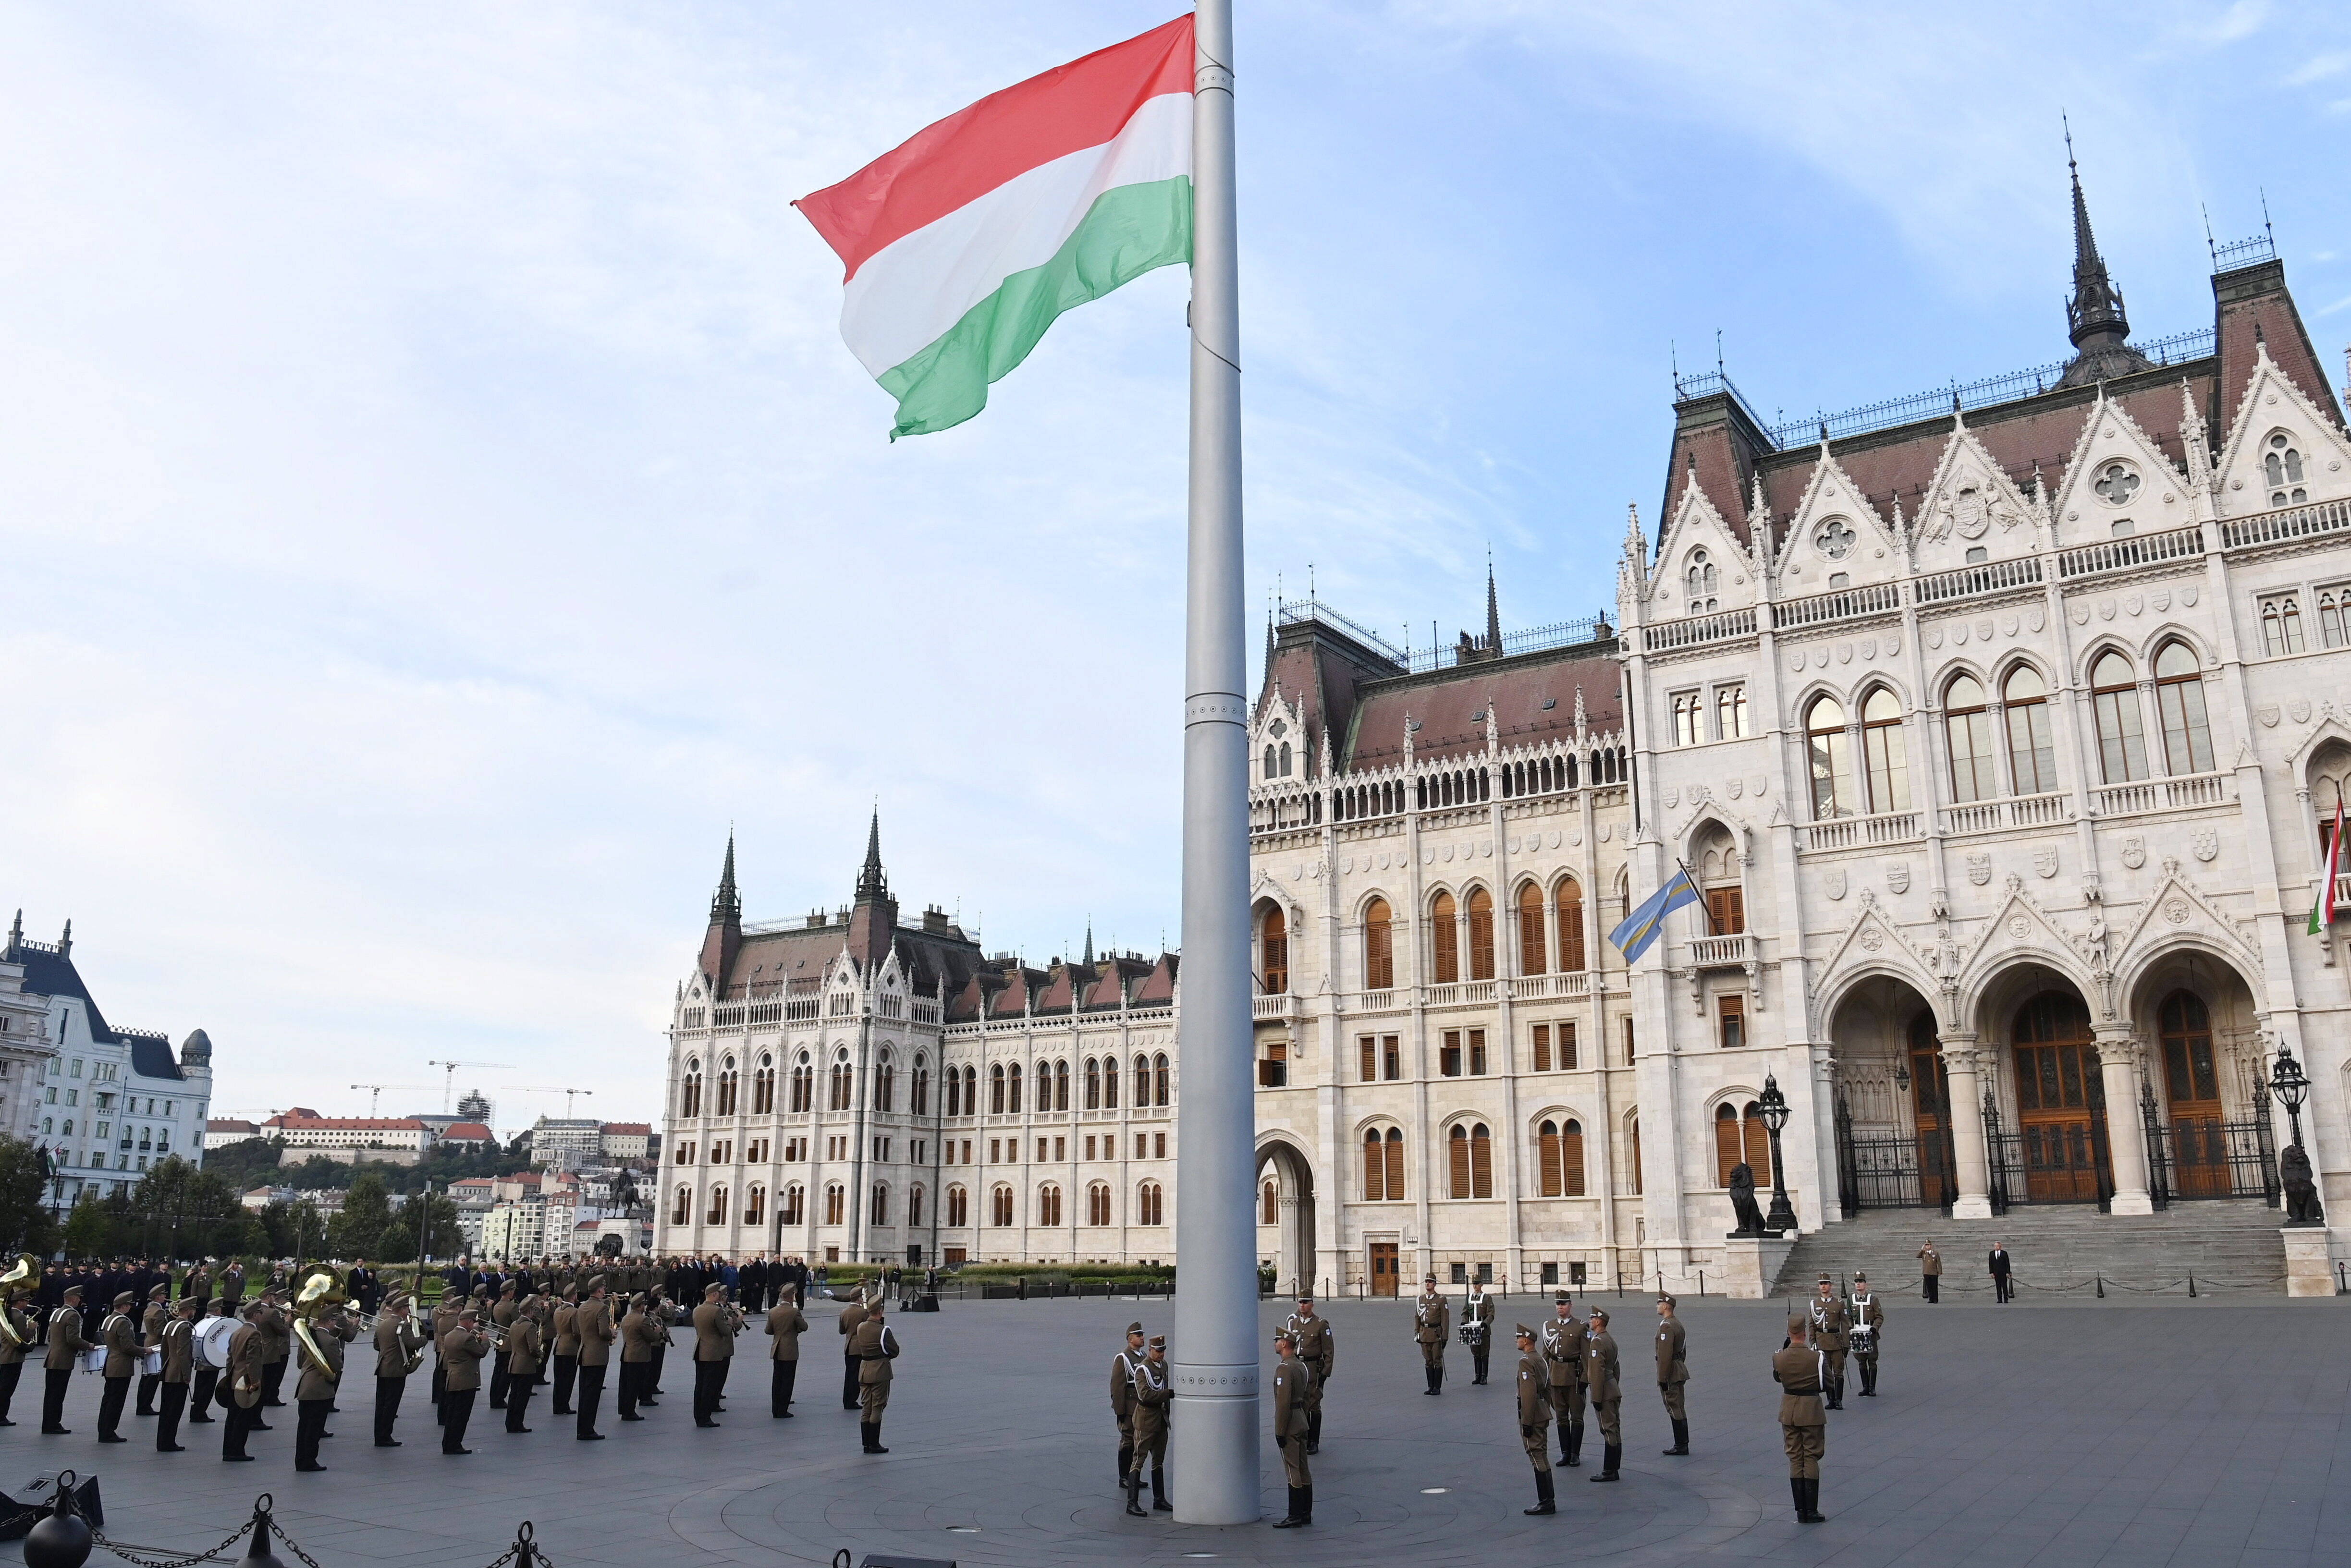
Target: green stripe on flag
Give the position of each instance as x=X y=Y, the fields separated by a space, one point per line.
x=1127 y=231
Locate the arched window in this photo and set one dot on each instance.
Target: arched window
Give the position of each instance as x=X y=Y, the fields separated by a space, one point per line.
x=1383 y=1164
x=726 y=1087
x=1444 y=940
x=1379 y=946
x=2031 y=755
x=689 y=1103
x=971 y=1091
x=996 y=1090
x=2113 y=697
x=958 y=1208
x=2180 y=703
x=1741 y=1137
x=1886 y=750
x=914 y=1207
x=1094 y=1083
x=1000 y=1206
x=1274 y=952
x=1567 y=908
x=1700 y=582
x=1481 y=934
x=1147 y=1205
x=836 y=1202
x=1048 y=1205
x=1831 y=751
x=1012 y=1090
x=1967 y=723
x=795 y=1212
x=2282 y=466
x=1110 y=1083
x=1098 y=1204
x=763 y=1088
x=1141 y=1082
x=804 y=1085
x=717 y=1215
x=1285 y=759
x=1159 y=1081
x=1268 y=1203
x=885 y=1082
x=1060 y=1087
x=1272 y=760
x=1633 y=1154
x=1471 y=1148
x=880 y=1213
x=2282 y=624
x=1559 y=1149
x=681 y=1209
x=922 y=1098
x=754 y=1205
x=1534 y=946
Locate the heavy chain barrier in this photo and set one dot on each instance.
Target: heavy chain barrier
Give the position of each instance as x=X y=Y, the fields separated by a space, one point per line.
x=59 y=1537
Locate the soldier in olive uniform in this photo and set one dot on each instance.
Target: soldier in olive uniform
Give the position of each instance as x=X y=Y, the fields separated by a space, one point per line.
x=1673 y=1373
x=1430 y=1320
x=1319 y=1349
x=150 y=1337
x=566 y=1347
x=852 y=1318
x=1478 y=1328
x=594 y=1323
x=246 y=1347
x=1868 y=1319
x=462 y=1349
x=18 y=1329
x=398 y=1352
x=875 y=1348
x=1607 y=1394
x=1121 y=1400
x=277 y=1349
x=1534 y=1418
x=716 y=1323
x=502 y=1318
x=784 y=1326
x=1153 y=1401
x=638 y=1334
x=1801 y=1370
x=119 y=1335
x=1292 y=1386
x=1830 y=1325
x=523 y=1357
x=1562 y=1353
x=314 y=1391
x=179 y=1347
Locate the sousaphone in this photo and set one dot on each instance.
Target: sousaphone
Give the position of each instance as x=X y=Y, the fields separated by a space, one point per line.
x=22 y=1278
x=320 y=1293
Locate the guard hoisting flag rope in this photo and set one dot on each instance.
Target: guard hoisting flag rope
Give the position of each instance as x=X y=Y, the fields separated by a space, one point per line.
x=966 y=242
x=1634 y=936
x=2324 y=910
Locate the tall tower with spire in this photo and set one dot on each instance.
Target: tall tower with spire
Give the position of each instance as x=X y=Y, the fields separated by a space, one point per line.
x=724 y=940
x=873 y=919
x=2095 y=314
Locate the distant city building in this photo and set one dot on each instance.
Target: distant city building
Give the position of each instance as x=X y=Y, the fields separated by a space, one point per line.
x=26 y=1051
x=220 y=1130
x=113 y=1100
x=567 y=1142
x=398 y=1140
x=627 y=1140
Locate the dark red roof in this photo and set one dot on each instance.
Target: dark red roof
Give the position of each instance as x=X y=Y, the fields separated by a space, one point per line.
x=1449 y=704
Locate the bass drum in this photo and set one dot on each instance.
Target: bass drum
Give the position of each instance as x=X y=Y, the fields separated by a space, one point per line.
x=210 y=1342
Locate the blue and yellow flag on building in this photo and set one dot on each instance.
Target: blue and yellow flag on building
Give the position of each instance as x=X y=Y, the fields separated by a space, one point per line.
x=1643 y=925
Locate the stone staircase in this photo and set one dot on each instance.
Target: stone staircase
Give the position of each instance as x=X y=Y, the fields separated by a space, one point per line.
x=2061 y=1252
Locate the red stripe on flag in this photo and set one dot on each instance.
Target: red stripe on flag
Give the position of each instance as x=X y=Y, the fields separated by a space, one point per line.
x=972 y=151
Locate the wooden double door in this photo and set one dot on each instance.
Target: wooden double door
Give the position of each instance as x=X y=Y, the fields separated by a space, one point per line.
x=2061 y=1102
x=1384 y=1268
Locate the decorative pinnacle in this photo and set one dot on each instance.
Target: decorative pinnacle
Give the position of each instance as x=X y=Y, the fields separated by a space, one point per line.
x=871 y=883
x=726 y=905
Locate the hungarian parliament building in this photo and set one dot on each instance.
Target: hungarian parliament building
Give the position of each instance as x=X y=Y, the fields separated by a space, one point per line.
x=1995 y=728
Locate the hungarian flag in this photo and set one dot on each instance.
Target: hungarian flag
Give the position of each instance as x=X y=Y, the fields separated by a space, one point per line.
x=2324 y=910
x=964 y=245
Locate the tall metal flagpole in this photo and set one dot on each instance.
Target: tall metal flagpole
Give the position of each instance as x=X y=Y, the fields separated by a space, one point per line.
x=1215 y=1424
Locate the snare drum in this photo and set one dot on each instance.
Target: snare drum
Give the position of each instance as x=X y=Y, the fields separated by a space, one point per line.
x=94 y=1359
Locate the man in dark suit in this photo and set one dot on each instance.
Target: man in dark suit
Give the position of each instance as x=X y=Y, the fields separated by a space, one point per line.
x=2002 y=1290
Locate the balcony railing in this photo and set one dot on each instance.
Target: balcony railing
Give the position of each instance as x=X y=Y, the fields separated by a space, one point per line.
x=1709 y=952
x=1844 y=604
x=1848 y=832
x=2294 y=523
x=1462 y=994
x=2122 y=555
x=1535 y=987
x=2018 y=811
x=2160 y=795
x=1281 y=1006
x=1376 y=1001
x=1696 y=629
x=1990 y=577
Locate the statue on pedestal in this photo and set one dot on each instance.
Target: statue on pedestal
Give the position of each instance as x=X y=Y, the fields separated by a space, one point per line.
x=2301 y=1187
x=1742 y=1200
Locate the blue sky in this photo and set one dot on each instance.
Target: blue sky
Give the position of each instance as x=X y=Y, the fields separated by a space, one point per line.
x=438 y=501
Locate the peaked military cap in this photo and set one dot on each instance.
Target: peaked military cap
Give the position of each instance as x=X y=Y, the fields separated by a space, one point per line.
x=1135 y=1328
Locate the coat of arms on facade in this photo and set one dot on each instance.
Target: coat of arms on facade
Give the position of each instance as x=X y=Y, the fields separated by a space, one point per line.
x=2044 y=860
x=1978 y=869
x=1833 y=883
x=2268 y=714
x=2206 y=844
x=1671 y=797
x=2299 y=710
x=1897 y=877
x=2133 y=853
x=1734 y=786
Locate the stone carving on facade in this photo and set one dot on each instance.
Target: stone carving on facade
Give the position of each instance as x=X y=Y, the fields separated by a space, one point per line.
x=1734 y=786
x=1897 y=877
x=2134 y=852
x=1761 y=784
x=1980 y=869
x=2299 y=710
x=2045 y=861
x=2268 y=714
x=1833 y=882
x=2206 y=844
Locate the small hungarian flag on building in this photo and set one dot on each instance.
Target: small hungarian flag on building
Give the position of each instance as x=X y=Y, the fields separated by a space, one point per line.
x=965 y=244
x=2324 y=909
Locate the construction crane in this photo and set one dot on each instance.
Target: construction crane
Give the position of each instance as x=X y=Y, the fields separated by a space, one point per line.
x=449 y=1077
x=546 y=1089
x=375 y=1091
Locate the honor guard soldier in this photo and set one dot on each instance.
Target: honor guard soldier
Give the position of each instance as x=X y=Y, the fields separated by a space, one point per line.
x=462 y=1349
x=1829 y=1326
x=314 y=1391
x=1292 y=1383
x=567 y=1346
x=1562 y=1353
x=875 y=1348
x=1801 y=1370
x=1607 y=1394
x=523 y=1357
x=179 y=1346
x=1673 y=1373
x=594 y=1323
x=1534 y=1418
x=715 y=1326
x=1930 y=1273
x=1478 y=1327
x=1122 y=1402
x=784 y=1326
x=1431 y=1319
x=851 y=1319
x=119 y=1335
x=1319 y=1349
x=398 y=1352
x=638 y=1333
x=1148 y=1427
x=1868 y=1318
x=502 y=1321
x=150 y=1337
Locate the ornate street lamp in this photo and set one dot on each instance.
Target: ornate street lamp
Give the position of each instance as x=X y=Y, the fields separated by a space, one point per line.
x=2291 y=1084
x=1773 y=1106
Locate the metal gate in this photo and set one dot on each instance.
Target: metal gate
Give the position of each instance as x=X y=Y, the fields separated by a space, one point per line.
x=1899 y=1172
x=2206 y=1158
x=2065 y=1162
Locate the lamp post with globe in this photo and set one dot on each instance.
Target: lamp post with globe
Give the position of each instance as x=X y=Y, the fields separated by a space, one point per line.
x=1773 y=1106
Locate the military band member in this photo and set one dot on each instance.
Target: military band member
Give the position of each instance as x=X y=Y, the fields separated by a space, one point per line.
x=1293 y=1380
x=398 y=1352
x=596 y=1335
x=1431 y=1319
x=852 y=1318
x=1562 y=1345
x=637 y=1336
x=1154 y=1396
x=1478 y=1327
x=1319 y=1349
x=784 y=1326
x=567 y=1346
x=716 y=1323
x=150 y=1337
x=1830 y=1324
x=119 y=1335
x=277 y=1349
x=245 y=1373
x=21 y=1329
x=522 y=1358
x=1868 y=1318
x=1122 y=1403
x=1534 y=1418
x=314 y=1391
x=206 y=1381
x=875 y=1348
x=659 y=1316
x=178 y=1344
x=502 y=1318
x=462 y=1349
x=1673 y=1373
x=1607 y=1394
x=1801 y=1369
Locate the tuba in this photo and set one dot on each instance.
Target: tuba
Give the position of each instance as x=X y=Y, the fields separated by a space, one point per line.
x=321 y=1294
x=22 y=1278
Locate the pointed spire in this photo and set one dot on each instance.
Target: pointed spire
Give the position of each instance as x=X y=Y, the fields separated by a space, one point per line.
x=871 y=883
x=2195 y=444
x=1493 y=614
x=2093 y=315
x=1090 y=942
x=726 y=905
x=64 y=943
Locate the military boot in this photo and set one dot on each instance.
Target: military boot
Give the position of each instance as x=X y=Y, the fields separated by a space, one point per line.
x=1126 y=1461
x=1291 y=1519
x=1796 y=1491
x=1314 y=1433
x=1609 y=1454
x=1306 y=1505
x=1812 y=1514
x=1134 y=1495
x=1159 y=1503
x=1573 y=1439
x=1681 y=1438
x=1544 y=1502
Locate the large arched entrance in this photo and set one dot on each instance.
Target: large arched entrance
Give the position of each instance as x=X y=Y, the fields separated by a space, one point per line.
x=2204 y=1109
x=1893 y=1116
x=1285 y=1214
x=2061 y=1100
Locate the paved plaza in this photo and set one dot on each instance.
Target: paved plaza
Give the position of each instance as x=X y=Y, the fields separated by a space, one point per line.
x=2197 y=1432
